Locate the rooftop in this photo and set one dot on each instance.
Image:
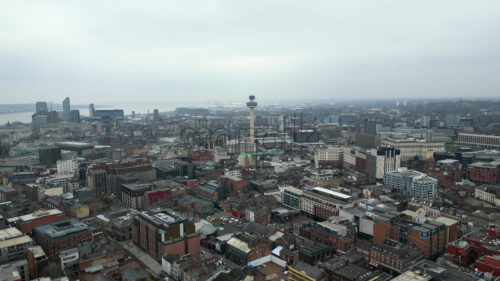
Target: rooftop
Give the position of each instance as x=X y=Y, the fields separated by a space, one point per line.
x=332 y=193
x=311 y=271
x=39 y=214
x=161 y=216
x=12 y=236
x=62 y=228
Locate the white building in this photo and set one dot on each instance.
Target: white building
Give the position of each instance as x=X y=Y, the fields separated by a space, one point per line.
x=411 y=148
x=67 y=166
x=411 y=183
x=387 y=159
x=328 y=156
x=219 y=154
x=488 y=193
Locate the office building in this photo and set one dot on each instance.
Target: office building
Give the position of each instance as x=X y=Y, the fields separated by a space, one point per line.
x=74 y=116
x=291 y=197
x=49 y=155
x=66 y=110
x=41 y=107
x=53 y=117
x=163 y=231
x=386 y=159
x=13 y=244
x=156 y=115
x=452 y=120
x=372 y=127
x=64 y=235
x=478 y=141
x=412 y=148
x=324 y=203
x=328 y=156
x=484 y=172
x=38 y=121
x=133 y=195
x=97 y=180
x=425 y=121
x=67 y=166
x=91 y=110
x=411 y=183
x=26 y=223
x=210 y=191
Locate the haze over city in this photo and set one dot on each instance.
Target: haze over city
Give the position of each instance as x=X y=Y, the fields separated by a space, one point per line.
x=221 y=50
x=249 y=141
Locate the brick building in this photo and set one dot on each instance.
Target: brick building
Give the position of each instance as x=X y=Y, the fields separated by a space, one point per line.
x=37 y=260
x=484 y=172
x=394 y=255
x=13 y=244
x=336 y=236
x=430 y=236
x=200 y=155
x=210 y=191
x=324 y=203
x=244 y=248
x=27 y=222
x=162 y=231
x=64 y=235
x=232 y=184
x=489 y=264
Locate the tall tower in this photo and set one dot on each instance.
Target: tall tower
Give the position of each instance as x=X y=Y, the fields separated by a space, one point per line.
x=91 y=110
x=252 y=105
x=66 y=109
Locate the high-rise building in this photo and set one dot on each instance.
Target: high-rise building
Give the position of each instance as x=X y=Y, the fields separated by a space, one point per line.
x=66 y=110
x=49 y=155
x=411 y=183
x=452 y=120
x=53 y=117
x=91 y=110
x=97 y=180
x=163 y=231
x=38 y=120
x=387 y=159
x=156 y=115
x=425 y=121
x=372 y=127
x=74 y=116
x=41 y=107
x=328 y=156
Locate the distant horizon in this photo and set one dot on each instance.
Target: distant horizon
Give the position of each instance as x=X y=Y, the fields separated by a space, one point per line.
x=176 y=51
x=311 y=100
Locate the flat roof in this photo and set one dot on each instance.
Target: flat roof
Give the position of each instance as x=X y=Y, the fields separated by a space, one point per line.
x=74 y=143
x=62 y=228
x=333 y=193
x=238 y=244
x=9 y=233
x=23 y=239
x=446 y=221
x=163 y=216
x=39 y=213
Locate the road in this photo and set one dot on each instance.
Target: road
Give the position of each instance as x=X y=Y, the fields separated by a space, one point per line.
x=151 y=263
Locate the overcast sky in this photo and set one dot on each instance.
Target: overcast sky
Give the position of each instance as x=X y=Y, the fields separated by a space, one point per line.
x=174 y=51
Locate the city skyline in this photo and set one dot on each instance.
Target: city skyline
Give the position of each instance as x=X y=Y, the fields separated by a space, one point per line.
x=166 y=52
